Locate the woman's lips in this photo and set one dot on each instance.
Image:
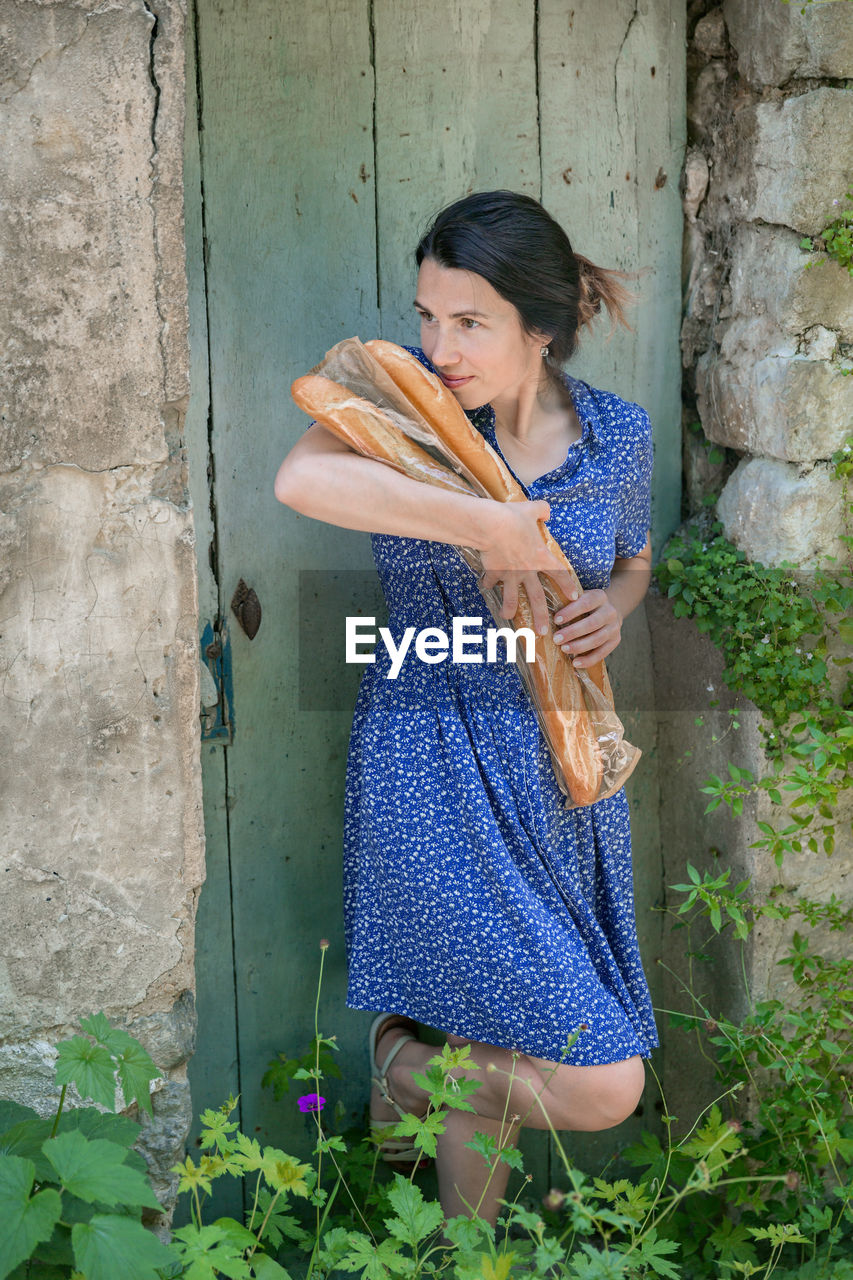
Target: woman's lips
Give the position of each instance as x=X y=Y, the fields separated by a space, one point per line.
x=453 y=383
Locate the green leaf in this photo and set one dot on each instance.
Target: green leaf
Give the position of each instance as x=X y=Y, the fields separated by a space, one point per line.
x=135 y=1069
x=468 y=1232
x=95 y=1171
x=101 y=1029
x=513 y=1157
x=208 y=1252
x=266 y=1268
x=415 y=1218
x=95 y=1124
x=279 y=1223
x=372 y=1260
x=424 y=1131
x=25 y=1140
x=653 y=1253
x=110 y=1246
x=14 y=1113
x=90 y=1067
x=592 y=1264
x=27 y=1220
x=238 y=1236
x=780 y=1233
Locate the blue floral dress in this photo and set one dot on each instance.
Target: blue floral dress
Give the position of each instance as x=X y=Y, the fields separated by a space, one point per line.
x=474 y=901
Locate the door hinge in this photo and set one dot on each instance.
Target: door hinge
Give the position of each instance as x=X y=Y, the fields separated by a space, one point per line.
x=217 y=686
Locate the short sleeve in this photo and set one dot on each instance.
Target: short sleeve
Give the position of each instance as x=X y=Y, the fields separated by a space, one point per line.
x=635 y=508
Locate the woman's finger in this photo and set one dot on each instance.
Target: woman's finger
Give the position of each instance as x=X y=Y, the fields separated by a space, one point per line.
x=588 y=625
x=509 y=601
x=538 y=604
x=582 y=604
x=594 y=640
x=597 y=655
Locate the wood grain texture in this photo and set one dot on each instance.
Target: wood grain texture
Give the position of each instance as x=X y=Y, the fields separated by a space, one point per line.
x=287 y=156
x=612 y=117
x=456 y=112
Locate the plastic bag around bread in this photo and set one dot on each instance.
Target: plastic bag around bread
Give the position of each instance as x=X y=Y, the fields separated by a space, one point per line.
x=356 y=397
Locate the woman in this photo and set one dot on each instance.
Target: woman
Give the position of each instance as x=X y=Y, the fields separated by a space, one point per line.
x=475 y=902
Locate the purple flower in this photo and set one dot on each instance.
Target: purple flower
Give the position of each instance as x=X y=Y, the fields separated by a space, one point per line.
x=311 y=1103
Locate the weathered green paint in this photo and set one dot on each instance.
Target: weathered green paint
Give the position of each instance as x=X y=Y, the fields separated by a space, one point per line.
x=287 y=134
x=455 y=111
x=213 y=1071
x=317 y=120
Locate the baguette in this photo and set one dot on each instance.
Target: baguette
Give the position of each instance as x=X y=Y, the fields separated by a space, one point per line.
x=370 y=431
x=564 y=718
x=440 y=407
x=563 y=714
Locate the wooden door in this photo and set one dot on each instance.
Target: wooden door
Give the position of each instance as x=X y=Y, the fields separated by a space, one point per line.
x=321 y=138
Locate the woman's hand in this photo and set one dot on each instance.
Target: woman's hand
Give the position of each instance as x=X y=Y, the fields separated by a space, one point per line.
x=589 y=628
x=516 y=539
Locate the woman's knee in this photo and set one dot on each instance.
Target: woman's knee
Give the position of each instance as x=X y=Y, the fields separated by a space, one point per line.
x=621 y=1098
x=599 y=1097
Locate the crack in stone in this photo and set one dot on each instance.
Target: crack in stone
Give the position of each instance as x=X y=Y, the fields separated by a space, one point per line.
x=53 y=51
x=616 y=61
x=152 y=74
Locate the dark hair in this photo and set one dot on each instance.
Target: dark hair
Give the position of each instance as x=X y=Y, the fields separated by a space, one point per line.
x=512 y=242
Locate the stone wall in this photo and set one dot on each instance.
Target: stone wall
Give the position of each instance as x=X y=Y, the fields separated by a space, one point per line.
x=765 y=339
x=102 y=833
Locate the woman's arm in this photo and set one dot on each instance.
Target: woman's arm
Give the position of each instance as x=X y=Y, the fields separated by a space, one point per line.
x=596 y=616
x=323 y=478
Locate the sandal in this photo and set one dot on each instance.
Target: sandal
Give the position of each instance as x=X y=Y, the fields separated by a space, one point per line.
x=399 y=1151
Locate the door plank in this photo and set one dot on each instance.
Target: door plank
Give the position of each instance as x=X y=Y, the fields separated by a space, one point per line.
x=456 y=111
x=608 y=126
x=289 y=209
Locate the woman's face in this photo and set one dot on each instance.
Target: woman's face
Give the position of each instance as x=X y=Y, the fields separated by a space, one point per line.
x=474 y=337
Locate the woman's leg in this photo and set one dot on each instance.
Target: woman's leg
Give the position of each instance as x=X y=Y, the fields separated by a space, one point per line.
x=569 y=1097
x=467 y=1183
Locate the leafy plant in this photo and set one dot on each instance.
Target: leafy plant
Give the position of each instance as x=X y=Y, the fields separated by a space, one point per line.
x=780 y=633
x=72 y=1190
x=836 y=240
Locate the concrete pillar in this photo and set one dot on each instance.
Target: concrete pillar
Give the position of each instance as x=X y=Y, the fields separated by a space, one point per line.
x=102 y=833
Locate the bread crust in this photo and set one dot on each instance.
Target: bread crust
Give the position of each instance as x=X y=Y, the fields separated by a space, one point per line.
x=369 y=431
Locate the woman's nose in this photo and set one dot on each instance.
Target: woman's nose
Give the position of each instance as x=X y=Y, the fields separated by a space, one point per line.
x=444 y=351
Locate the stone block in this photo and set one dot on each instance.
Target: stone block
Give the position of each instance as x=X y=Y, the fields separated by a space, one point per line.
x=770 y=275
x=82 y=365
x=760 y=395
x=163 y=1136
x=27 y=1072
x=775 y=511
x=775 y=42
x=709 y=35
x=102 y=816
x=168 y=1035
x=796 y=158
x=707 y=99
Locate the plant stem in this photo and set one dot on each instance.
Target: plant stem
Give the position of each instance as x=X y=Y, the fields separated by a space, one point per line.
x=58 y=1111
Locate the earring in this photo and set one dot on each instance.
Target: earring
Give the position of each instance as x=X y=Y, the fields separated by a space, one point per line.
x=543 y=351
